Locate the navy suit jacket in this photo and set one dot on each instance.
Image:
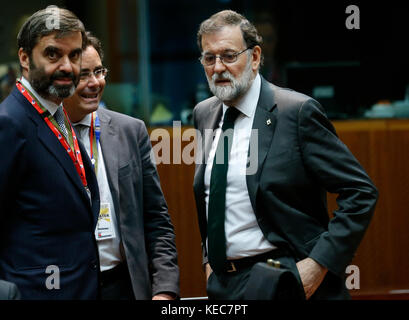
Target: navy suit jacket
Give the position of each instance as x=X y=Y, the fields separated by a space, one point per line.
x=46 y=217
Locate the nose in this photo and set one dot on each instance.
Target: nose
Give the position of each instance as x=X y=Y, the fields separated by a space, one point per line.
x=92 y=81
x=66 y=65
x=219 y=66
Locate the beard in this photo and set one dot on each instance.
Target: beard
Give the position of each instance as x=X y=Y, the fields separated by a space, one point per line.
x=43 y=84
x=237 y=87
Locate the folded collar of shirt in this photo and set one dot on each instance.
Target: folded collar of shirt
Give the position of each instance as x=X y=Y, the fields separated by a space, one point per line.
x=49 y=105
x=86 y=121
x=248 y=103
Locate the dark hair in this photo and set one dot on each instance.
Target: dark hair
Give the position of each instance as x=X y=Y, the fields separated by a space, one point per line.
x=229 y=18
x=46 y=21
x=95 y=43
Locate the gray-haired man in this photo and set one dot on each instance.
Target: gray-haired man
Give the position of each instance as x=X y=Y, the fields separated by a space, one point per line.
x=279 y=212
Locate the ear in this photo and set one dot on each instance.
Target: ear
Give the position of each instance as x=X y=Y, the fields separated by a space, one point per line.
x=24 y=60
x=256 y=58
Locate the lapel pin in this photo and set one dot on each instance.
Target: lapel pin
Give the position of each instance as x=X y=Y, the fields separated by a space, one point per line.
x=268 y=122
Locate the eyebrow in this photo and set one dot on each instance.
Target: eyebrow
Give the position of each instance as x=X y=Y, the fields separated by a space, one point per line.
x=51 y=49
x=224 y=51
x=75 y=51
x=58 y=50
x=88 y=69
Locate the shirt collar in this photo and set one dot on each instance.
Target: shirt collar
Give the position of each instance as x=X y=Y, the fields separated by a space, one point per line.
x=247 y=105
x=86 y=121
x=49 y=105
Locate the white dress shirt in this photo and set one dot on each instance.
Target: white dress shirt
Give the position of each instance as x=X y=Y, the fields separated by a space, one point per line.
x=49 y=105
x=243 y=234
x=109 y=252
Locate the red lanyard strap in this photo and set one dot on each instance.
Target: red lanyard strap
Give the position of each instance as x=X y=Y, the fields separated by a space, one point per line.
x=94 y=136
x=75 y=154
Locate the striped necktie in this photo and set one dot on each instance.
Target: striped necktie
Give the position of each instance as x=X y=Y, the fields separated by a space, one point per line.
x=59 y=117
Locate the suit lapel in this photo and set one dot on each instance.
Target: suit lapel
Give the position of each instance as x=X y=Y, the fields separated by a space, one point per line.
x=211 y=122
x=109 y=146
x=92 y=185
x=51 y=143
x=263 y=130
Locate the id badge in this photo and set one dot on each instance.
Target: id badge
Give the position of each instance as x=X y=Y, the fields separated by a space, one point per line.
x=105 y=226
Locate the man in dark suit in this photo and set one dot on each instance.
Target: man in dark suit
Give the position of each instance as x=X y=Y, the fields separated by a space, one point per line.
x=137 y=247
x=268 y=199
x=49 y=199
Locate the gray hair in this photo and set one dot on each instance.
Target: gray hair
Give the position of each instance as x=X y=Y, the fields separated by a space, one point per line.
x=230 y=18
x=46 y=21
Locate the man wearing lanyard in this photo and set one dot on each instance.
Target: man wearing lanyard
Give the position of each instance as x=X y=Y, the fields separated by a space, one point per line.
x=49 y=199
x=134 y=233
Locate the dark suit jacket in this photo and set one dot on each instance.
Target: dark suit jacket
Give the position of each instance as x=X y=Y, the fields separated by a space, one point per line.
x=143 y=221
x=300 y=158
x=45 y=213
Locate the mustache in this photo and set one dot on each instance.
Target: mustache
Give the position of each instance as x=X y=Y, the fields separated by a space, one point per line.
x=62 y=74
x=226 y=75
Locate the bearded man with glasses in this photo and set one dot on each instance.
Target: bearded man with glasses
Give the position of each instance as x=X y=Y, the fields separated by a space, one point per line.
x=278 y=212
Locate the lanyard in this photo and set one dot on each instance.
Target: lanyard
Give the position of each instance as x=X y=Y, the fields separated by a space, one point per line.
x=76 y=155
x=94 y=136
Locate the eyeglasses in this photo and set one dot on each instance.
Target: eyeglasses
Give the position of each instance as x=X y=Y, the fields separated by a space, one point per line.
x=99 y=74
x=227 y=57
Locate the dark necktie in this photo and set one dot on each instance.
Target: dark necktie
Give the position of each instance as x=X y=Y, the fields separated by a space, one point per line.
x=81 y=131
x=217 y=197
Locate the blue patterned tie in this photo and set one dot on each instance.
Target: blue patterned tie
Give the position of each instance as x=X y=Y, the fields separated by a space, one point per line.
x=217 y=196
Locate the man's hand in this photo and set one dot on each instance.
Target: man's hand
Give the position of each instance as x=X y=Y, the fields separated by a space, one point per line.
x=164 y=296
x=312 y=274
